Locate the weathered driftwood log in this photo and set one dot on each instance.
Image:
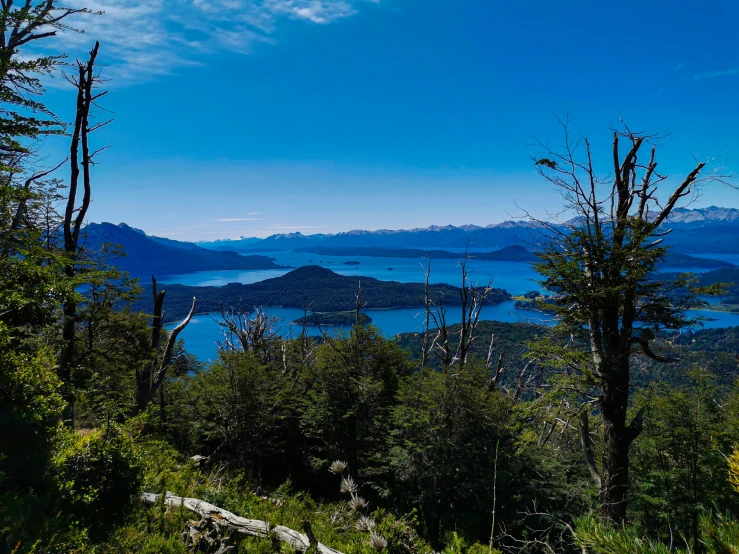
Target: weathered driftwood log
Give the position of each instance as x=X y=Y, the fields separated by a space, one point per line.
x=205 y=536
x=251 y=527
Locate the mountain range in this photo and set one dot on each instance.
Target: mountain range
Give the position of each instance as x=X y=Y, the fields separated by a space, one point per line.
x=702 y=230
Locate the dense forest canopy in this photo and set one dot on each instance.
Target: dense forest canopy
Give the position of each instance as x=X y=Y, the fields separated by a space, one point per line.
x=615 y=430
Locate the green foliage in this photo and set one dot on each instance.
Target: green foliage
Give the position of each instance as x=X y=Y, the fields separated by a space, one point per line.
x=719 y=534
x=447 y=427
x=679 y=465
x=98 y=472
x=30 y=411
x=349 y=400
x=600 y=539
x=247 y=411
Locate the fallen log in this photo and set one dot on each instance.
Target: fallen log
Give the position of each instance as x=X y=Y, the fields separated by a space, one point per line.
x=251 y=527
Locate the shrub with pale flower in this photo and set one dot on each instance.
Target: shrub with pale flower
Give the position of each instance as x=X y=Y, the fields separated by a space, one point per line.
x=377 y=542
x=348 y=486
x=366 y=524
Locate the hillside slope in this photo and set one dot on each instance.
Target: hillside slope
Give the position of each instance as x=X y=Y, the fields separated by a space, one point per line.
x=146 y=256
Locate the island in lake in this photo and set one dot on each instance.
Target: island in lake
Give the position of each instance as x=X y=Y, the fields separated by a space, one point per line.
x=333 y=319
x=315 y=286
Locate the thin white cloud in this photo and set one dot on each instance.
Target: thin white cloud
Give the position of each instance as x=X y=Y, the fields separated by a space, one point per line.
x=293 y=227
x=241 y=219
x=142 y=38
x=714 y=74
x=254 y=213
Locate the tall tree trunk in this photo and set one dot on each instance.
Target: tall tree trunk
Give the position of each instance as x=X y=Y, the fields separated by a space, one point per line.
x=617 y=438
x=151 y=378
x=74 y=216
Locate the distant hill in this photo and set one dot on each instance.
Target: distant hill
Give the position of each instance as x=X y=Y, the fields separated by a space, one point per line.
x=146 y=256
x=312 y=285
x=728 y=276
x=506 y=254
x=676 y=259
x=493 y=236
x=228 y=244
x=713 y=239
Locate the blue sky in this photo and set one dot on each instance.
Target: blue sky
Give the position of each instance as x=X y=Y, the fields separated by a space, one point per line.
x=236 y=117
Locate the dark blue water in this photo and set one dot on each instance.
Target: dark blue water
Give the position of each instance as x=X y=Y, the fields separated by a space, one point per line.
x=203 y=331
x=515 y=277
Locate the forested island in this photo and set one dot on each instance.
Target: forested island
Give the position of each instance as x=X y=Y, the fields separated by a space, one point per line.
x=333 y=319
x=314 y=286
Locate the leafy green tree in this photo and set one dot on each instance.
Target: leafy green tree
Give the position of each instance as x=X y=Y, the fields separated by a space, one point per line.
x=601 y=263
x=30 y=412
x=448 y=430
x=679 y=461
x=98 y=475
x=243 y=411
x=349 y=400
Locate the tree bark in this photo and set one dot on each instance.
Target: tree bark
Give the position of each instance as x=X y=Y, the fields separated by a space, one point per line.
x=617 y=439
x=252 y=527
x=151 y=378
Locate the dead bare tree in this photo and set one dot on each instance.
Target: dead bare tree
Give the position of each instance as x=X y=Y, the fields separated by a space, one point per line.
x=151 y=378
x=442 y=345
x=427 y=310
x=295 y=540
x=256 y=333
x=85 y=83
x=473 y=298
x=359 y=303
x=494 y=363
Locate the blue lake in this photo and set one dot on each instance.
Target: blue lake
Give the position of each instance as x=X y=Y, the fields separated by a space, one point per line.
x=515 y=277
x=203 y=332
